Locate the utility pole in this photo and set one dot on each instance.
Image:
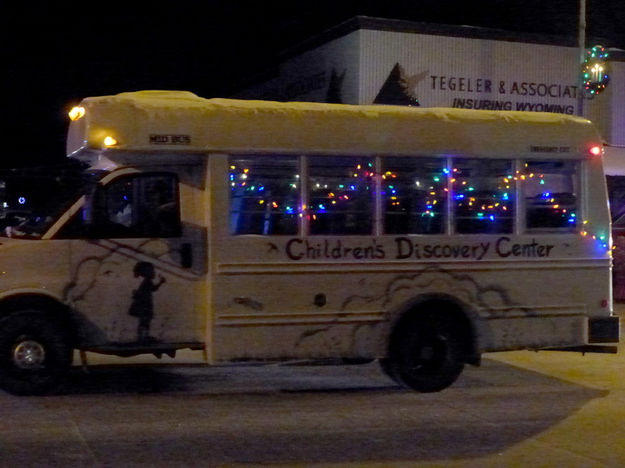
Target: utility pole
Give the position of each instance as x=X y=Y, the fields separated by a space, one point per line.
x=581 y=39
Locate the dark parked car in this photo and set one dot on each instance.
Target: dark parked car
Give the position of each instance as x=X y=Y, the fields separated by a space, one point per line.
x=12 y=218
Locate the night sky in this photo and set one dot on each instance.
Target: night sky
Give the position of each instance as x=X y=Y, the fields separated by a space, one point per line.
x=55 y=53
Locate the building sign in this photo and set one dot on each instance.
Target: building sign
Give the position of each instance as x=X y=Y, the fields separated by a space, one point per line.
x=504 y=95
x=463 y=69
x=476 y=92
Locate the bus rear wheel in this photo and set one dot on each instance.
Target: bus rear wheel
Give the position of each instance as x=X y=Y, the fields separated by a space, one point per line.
x=427 y=353
x=34 y=353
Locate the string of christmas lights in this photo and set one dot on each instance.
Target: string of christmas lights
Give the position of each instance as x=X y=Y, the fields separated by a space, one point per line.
x=486 y=199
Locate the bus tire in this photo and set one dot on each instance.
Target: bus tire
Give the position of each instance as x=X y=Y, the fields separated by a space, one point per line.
x=427 y=354
x=34 y=352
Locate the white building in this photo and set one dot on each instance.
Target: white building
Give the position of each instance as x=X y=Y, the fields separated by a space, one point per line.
x=369 y=60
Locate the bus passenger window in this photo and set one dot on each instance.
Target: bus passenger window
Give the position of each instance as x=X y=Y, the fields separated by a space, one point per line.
x=119 y=202
x=483 y=196
x=138 y=206
x=263 y=195
x=550 y=192
x=414 y=195
x=340 y=195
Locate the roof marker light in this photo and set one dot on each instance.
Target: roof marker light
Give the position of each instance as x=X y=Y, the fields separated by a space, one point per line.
x=595 y=150
x=76 y=113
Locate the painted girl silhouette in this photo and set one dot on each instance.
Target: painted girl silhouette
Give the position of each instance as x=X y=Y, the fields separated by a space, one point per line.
x=142 y=305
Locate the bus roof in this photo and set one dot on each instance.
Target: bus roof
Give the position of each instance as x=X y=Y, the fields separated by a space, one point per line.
x=181 y=122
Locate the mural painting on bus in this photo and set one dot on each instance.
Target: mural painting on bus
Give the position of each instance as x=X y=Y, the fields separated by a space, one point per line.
x=488 y=300
x=142 y=305
x=125 y=293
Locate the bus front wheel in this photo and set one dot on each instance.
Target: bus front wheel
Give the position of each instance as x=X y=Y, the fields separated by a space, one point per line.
x=34 y=353
x=427 y=353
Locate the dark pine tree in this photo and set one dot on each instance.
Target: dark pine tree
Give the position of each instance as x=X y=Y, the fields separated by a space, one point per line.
x=398 y=89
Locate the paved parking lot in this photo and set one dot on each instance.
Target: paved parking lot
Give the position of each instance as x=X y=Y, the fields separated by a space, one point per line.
x=518 y=409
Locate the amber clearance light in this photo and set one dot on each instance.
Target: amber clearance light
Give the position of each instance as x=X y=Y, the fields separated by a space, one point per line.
x=110 y=141
x=76 y=113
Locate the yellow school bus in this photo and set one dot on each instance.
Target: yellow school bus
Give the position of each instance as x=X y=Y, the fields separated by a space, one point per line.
x=272 y=231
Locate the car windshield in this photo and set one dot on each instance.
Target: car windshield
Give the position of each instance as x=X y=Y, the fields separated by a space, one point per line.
x=34 y=198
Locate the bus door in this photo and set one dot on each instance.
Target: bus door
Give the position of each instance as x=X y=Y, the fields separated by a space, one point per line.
x=137 y=277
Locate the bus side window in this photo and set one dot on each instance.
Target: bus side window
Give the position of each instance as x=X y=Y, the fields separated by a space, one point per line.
x=483 y=196
x=137 y=206
x=550 y=192
x=263 y=195
x=340 y=191
x=414 y=194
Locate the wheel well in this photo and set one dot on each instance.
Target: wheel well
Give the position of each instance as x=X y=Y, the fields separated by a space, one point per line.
x=439 y=306
x=52 y=308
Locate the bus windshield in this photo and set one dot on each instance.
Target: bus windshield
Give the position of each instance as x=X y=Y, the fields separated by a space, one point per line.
x=34 y=198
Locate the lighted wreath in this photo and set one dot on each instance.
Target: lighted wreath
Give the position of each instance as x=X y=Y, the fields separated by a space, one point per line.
x=595 y=70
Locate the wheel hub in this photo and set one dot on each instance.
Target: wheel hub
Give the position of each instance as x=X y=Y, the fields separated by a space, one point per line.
x=426 y=353
x=28 y=355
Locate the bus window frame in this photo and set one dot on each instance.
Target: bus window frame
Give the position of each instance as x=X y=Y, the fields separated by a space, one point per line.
x=519 y=226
